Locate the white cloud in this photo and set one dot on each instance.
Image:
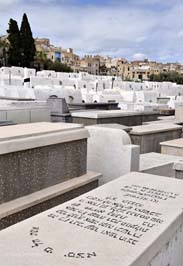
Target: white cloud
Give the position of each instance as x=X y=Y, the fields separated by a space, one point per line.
x=138 y=56
x=180 y=34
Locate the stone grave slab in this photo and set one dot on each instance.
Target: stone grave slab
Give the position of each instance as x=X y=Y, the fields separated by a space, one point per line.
x=158 y=163
x=122 y=117
x=132 y=221
x=148 y=137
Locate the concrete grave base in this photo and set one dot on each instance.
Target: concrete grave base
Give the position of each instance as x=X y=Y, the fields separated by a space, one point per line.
x=148 y=137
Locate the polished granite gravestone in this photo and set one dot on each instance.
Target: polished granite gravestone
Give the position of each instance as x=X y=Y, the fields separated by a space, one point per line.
x=172 y=147
x=114 y=116
x=41 y=157
x=148 y=137
x=136 y=220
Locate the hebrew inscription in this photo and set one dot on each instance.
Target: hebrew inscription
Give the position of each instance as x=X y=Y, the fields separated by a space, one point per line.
x=125 y=220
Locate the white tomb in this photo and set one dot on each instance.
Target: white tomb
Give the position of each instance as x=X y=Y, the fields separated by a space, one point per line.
x=110 y=152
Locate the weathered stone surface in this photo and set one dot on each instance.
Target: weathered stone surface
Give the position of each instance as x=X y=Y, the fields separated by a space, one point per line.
x=127 y=222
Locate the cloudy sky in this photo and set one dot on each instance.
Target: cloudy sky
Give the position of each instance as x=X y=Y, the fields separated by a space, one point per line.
x=134 y=29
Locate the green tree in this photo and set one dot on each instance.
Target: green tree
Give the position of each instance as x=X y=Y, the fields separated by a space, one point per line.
x=28 y=49
x=14 y=53
x=171 y=76
x=40 y=60
x=58 y=67
x=4 y=47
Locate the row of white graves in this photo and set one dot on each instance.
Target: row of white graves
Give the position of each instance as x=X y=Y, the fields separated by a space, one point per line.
x=82 y=87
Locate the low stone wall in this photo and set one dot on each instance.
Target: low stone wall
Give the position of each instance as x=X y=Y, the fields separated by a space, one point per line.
x=26 y=115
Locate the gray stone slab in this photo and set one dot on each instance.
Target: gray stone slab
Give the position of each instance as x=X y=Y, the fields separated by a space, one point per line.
x=119 y=117
x=111 y=113
x=57 y=105
x=35 y=129
x=178 y=143
x=172 y=147
x=152 y=159
x=126 y=222
x=149 y=129
x=158 y=164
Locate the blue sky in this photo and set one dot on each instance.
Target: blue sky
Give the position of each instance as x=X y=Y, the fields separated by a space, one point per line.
x=134 y=29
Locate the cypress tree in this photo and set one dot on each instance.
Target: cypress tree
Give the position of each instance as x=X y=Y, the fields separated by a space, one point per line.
x=14 y=53
x=28 y=49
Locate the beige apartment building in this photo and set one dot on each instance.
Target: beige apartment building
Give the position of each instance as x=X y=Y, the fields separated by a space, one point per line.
x=137 y=70
x=90 y=64
x=68 y=57
x=52 y=52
